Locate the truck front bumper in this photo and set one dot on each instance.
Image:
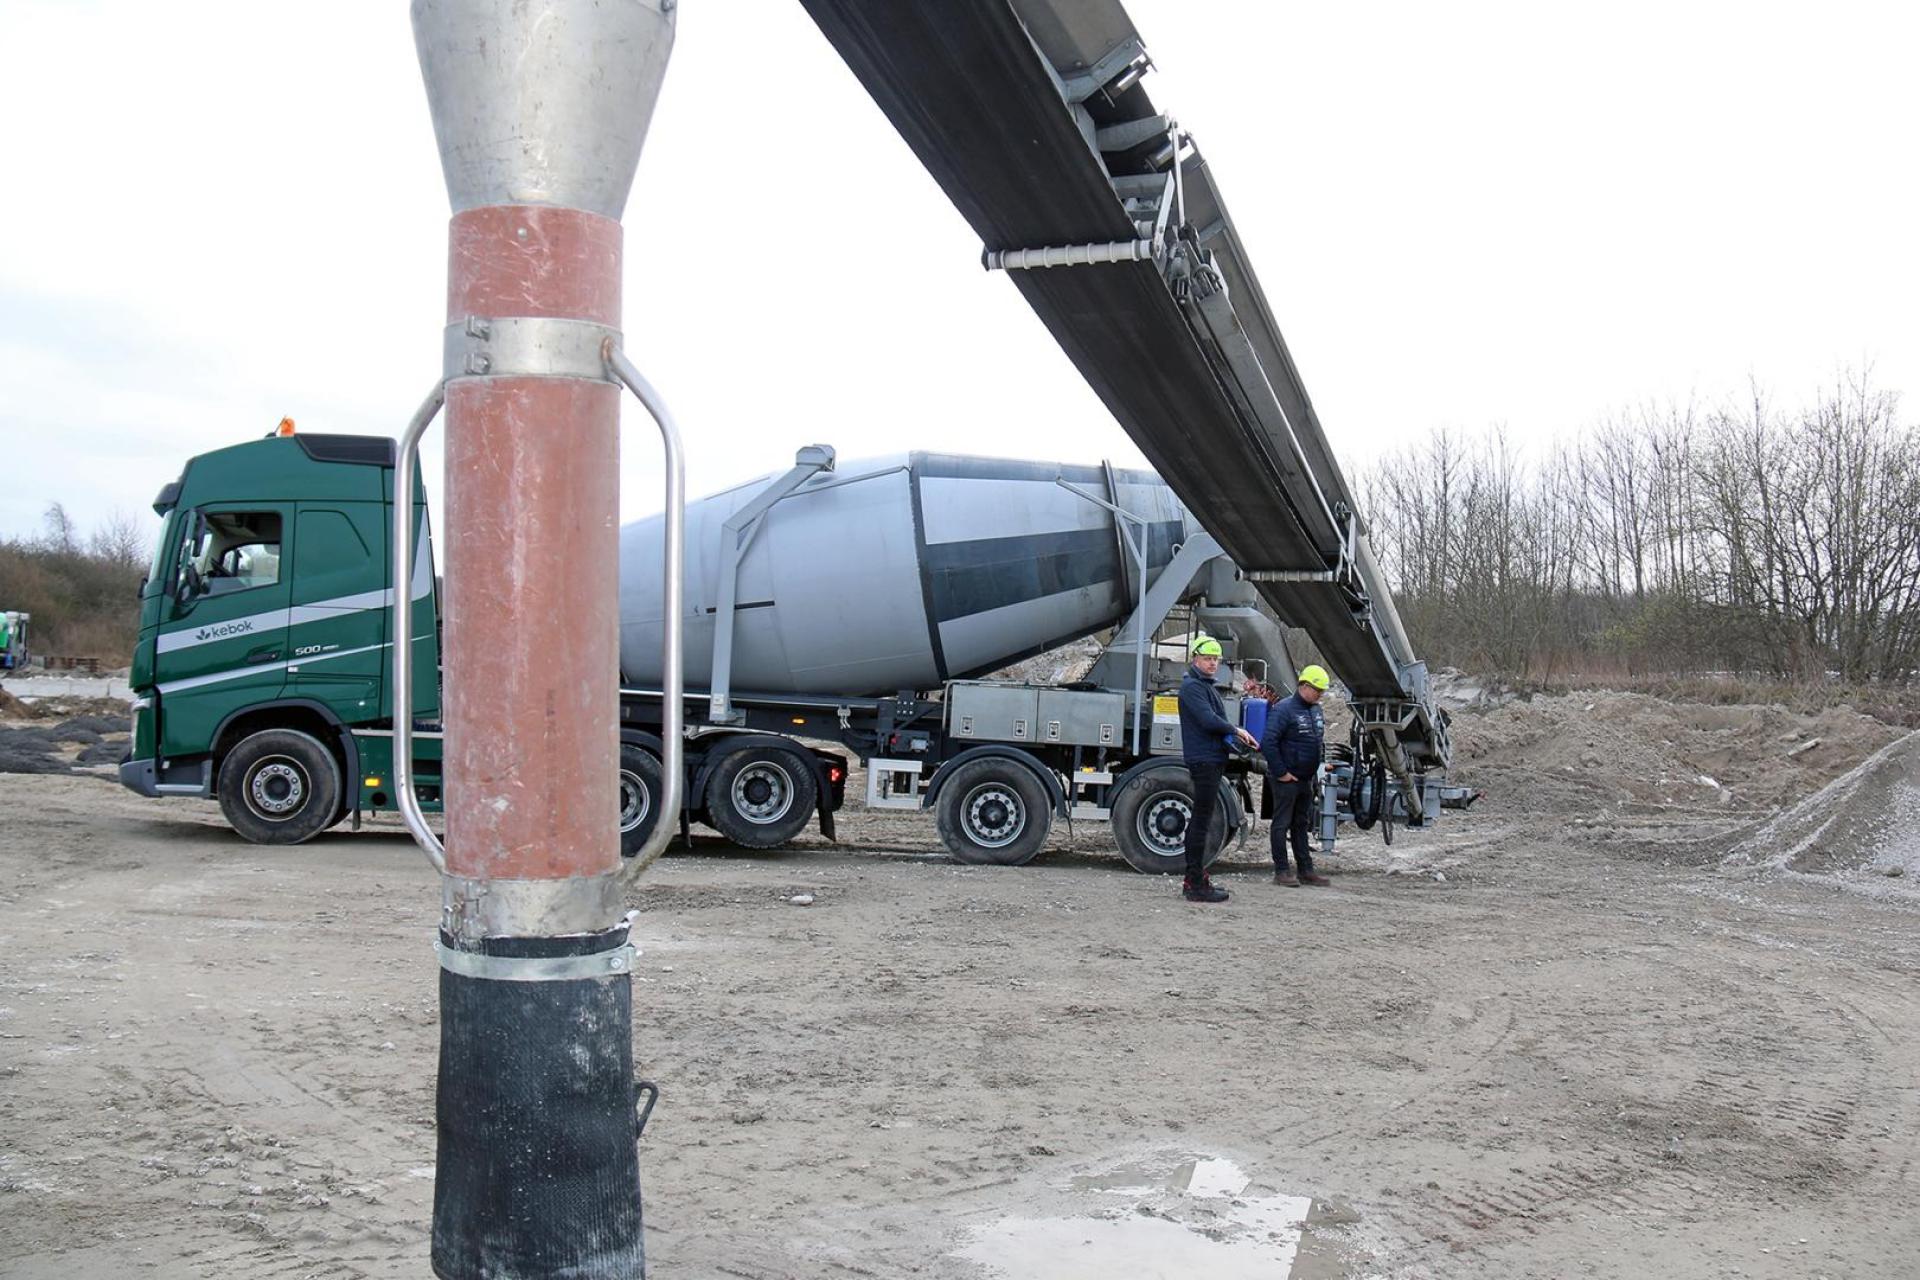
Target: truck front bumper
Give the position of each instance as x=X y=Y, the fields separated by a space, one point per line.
x=139 y=776
x=182 y=778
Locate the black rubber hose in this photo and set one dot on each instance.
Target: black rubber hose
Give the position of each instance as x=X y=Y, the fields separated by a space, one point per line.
x=1376 y=771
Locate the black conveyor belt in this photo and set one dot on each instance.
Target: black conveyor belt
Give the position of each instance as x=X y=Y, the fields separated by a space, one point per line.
x=973 y=97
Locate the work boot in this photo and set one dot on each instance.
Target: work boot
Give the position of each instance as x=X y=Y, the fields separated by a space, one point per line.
x=1286 y=878
x=1202 y=890
x=1313 y=878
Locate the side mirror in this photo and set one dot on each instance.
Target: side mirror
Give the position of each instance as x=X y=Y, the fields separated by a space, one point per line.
x=191 y=587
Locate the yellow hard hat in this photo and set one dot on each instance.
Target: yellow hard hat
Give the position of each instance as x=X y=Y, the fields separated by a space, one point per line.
x=1206 y=647
x=1316 y=675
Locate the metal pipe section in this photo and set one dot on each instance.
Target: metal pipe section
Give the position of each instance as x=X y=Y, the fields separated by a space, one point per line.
x=406 y=457
x=1179 y=183
x=540 y=109
x=1070 y=255
x=672 y=603
x=1139 y=638
x=736 y=534
x=1386 y=617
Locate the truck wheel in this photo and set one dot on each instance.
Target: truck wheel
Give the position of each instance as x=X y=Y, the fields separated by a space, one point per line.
x=761 y=797
x=994 y=812
x=639 y=797
x=1149 y=820
x=280 y=786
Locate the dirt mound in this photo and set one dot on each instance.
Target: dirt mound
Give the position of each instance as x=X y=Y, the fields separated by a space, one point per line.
x=30 y=745
x=1067 y=663
x=1861 y=830
x=1578 y=753
x=28 y=757
x=75 y=728
x=63 y=706
x=1455 y=690
x=107 y=751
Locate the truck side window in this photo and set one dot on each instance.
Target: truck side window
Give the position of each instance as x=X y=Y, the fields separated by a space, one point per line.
x=241 y=550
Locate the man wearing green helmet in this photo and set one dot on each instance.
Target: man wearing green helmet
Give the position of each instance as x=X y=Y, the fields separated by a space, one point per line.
x=1296 y=728
x=1205 y=732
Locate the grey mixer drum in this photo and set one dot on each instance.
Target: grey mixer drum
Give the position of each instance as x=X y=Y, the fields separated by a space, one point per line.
x=900 y=573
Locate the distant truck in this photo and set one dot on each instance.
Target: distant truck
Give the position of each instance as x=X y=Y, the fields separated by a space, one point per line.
x=857 y=605
x=13 y=639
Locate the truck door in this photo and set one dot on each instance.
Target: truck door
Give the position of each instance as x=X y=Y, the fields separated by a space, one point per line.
x=338 y=626
x=222 y=641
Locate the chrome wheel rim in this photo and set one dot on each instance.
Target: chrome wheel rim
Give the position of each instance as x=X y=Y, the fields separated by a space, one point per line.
x=1162 y=825
x=763 y=792
x=276 y=788
x=995 y=818
x=635 y=801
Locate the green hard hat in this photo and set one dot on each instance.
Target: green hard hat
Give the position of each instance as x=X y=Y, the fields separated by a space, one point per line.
x=1206 y=647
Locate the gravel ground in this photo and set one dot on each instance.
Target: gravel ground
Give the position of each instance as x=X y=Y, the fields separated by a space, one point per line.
x=1511 y=1047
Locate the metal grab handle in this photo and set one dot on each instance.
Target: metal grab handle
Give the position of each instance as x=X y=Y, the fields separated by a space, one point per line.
x=403 y=463
x=650 y=1091
x=672 y=683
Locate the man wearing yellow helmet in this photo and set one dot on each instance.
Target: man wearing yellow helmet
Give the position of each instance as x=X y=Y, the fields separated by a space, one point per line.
x=1205 y=732
x=1296 y=728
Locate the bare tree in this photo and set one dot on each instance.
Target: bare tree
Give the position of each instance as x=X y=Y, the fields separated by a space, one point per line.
x=60 y=536
x=1665 y=541
x=119 y=540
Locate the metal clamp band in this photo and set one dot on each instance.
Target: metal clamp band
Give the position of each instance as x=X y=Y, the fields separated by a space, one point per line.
x=601 y=964
x=474 y=909
x=527 y=347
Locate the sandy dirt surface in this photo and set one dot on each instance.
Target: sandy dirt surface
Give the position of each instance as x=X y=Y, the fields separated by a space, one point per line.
x=1558 y=1036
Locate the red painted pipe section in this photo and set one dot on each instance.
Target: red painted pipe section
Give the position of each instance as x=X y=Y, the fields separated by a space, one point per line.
x=532 y=562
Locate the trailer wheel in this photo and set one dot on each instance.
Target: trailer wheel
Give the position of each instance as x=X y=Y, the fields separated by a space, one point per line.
x=280 y=786
x=994 y=812
x=639 y=797
x=761 y=797
x=1149 y=820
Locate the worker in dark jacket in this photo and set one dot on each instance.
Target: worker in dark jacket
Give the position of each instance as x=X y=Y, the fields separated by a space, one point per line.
x=1296 y=728
x=1205 y=732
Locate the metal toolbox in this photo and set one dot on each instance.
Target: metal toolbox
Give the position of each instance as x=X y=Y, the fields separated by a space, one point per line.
x=1082 y=717
x=1166 y=720
x=993 y=712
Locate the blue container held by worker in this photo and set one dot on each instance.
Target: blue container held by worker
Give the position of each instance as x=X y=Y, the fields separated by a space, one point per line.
x=1253 y=716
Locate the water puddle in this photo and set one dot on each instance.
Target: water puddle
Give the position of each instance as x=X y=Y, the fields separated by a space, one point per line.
x=1177 y=1216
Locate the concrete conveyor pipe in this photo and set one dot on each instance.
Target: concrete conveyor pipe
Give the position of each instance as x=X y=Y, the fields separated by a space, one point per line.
x=540 y=109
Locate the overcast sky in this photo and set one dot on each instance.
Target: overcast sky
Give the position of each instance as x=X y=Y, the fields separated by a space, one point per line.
x=216 y=213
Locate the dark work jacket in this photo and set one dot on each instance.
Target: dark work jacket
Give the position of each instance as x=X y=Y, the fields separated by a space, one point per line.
x=1295 y=731
x=1204 y=727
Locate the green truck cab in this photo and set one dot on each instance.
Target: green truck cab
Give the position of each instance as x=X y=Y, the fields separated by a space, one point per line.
x=260 y=671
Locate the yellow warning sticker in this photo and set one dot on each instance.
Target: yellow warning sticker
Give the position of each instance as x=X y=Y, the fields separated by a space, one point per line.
x=1166 y=708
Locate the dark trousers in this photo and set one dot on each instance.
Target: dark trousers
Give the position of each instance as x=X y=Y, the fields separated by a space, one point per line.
x=1292 y=819
x=1206 y=804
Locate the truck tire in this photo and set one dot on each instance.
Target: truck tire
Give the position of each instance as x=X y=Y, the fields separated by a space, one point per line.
x=280 y=786
x=639 y=797
x=994 y=812
x=761 y=797
x=1149 y=820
